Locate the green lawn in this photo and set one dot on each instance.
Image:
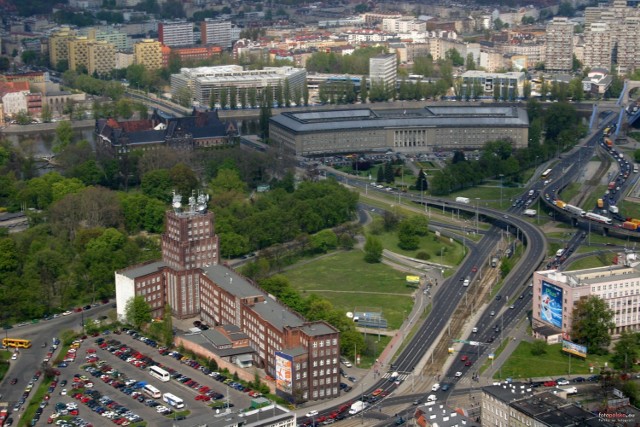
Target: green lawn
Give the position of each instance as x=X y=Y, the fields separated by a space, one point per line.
x=570 y=191
x=522 y=364
x=349 y=283
x=489 y=195
x=590 y=202
x=601 y=260
x=629 y=209
x=431 y=244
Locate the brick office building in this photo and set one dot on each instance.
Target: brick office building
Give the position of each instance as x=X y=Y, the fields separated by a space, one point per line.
x=303 y=357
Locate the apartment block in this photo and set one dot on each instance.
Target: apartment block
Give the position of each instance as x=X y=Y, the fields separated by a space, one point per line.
x=598 y=46
x=102 y=57
x=175 y=33
x=214 y=31
x=559 y=45
x=120 y=40
x=628 y=58
x=303 y=357
x=58 y=45
x=509 y=85
x=403 y=25
x=148 y=52
x=383 y=70
x=78 y=55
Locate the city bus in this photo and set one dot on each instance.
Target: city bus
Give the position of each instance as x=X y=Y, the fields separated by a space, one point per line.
x=173 y=400
x=159 y=373
x=152 y=391
x=16 y=342
x=546 y=173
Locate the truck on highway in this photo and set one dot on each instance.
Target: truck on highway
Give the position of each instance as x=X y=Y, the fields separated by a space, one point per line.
x=4 y=412
x=574 y=210
x=600 y=203
x=559 y=203
x=530 y=212
x=494 y=262
x=614 y=209
x=628 y=225
x=393 y=376
x=462 y=199
x=357 y=407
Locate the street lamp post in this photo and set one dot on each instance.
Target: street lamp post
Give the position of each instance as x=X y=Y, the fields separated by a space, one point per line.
x=477 y=215
x=501 y=177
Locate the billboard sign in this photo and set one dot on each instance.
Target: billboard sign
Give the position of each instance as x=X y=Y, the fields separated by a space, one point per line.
x=573 y=348
x=284 y=374
x=551 y=304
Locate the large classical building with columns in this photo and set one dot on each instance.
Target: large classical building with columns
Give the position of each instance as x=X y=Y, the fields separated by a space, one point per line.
x=413 y=130
x=303 y=357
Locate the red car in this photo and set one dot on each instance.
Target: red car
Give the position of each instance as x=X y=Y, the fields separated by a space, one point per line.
x=464 y=358
x=468 y=363
x=549 y=384
x=474 y=269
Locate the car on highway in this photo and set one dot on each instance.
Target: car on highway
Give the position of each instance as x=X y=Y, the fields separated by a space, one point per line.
x=468 y=363
x=549 y=384
x=562 y=381
x=14 y=381
x=445 y=387
x=474 y=269
x=311 y=413
x=435 y=387
x=458 y=374
x=511 y=307
x=579 y=380
x=464 y=358
x=493 y=313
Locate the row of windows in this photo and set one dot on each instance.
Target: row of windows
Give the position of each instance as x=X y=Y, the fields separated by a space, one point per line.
x=322 y=362
x=322 y=381
x=321 y=393
x=327 y=342
x=614 y=286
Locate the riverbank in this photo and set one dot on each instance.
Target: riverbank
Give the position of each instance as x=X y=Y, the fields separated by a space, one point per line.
x=45 y=127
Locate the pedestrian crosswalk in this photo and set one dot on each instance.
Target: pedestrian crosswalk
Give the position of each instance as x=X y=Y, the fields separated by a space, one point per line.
x=401 y=376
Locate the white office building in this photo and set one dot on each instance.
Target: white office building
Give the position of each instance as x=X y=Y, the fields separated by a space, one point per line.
x=205 y=81
x=555 y=294
x=383 y=69
x=176 y=33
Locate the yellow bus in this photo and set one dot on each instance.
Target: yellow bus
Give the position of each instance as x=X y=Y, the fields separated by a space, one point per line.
x=16 y=342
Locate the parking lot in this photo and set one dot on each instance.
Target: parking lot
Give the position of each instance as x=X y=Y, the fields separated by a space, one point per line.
x=103 y=379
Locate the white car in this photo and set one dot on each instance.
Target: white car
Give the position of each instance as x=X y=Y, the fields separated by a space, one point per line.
x=563 y=382
x=432 y=398
x=66 y=313
x=63 y=392
x=458 y=374
x=311 y=413
x=435 y=387
x=14 y=356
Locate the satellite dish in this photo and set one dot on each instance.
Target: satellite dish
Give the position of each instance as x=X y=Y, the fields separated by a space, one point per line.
x=349 y=315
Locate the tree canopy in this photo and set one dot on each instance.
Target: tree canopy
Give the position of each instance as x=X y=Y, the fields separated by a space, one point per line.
x=592 y=321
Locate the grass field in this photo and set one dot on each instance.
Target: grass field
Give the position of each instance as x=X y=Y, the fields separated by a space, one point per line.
x=570 y=191
x=522 y=364
x=589 y=202
x=600 y=260
x=489 y=195
x=431 y=244
x=349 y=283
x=629 y=209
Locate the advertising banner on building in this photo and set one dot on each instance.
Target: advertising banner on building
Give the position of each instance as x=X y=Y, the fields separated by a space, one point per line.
x=551 y=304
x=573 y=348
x=284 y=375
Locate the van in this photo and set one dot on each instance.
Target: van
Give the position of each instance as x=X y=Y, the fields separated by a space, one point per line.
x=466 y=282
x=531 y=193
x=432 y=398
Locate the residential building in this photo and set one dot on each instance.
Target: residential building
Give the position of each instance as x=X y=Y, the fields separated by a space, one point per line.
x=517 y=404
x=403 y=25
x=628 y=45
x=507 y=85
x=14 y=102
x=266 y=416
x=34 y=104
x=414 y=130
x=599 y=50
x=119 y=39
x=559 y=45
x=439 y=415
x=123 y=60
x=58 y=45
x=205 y=81
x=148 y=52
x=303 y=357
x=102 y=57
x=555 y=294
x=383 y=70
x=196 y=53
x=176 y=33
x=215 y=31
x=79 y=53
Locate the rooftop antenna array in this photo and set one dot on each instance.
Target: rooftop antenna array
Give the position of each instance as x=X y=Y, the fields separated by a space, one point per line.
x=177 y=202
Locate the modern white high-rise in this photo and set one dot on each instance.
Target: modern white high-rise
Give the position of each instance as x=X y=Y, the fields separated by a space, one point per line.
x=176 y=33
x=383 y=70
x=215 y=31
x=559 y=49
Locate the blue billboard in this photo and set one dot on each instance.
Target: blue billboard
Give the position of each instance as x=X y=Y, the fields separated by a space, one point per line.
x=551 y=304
